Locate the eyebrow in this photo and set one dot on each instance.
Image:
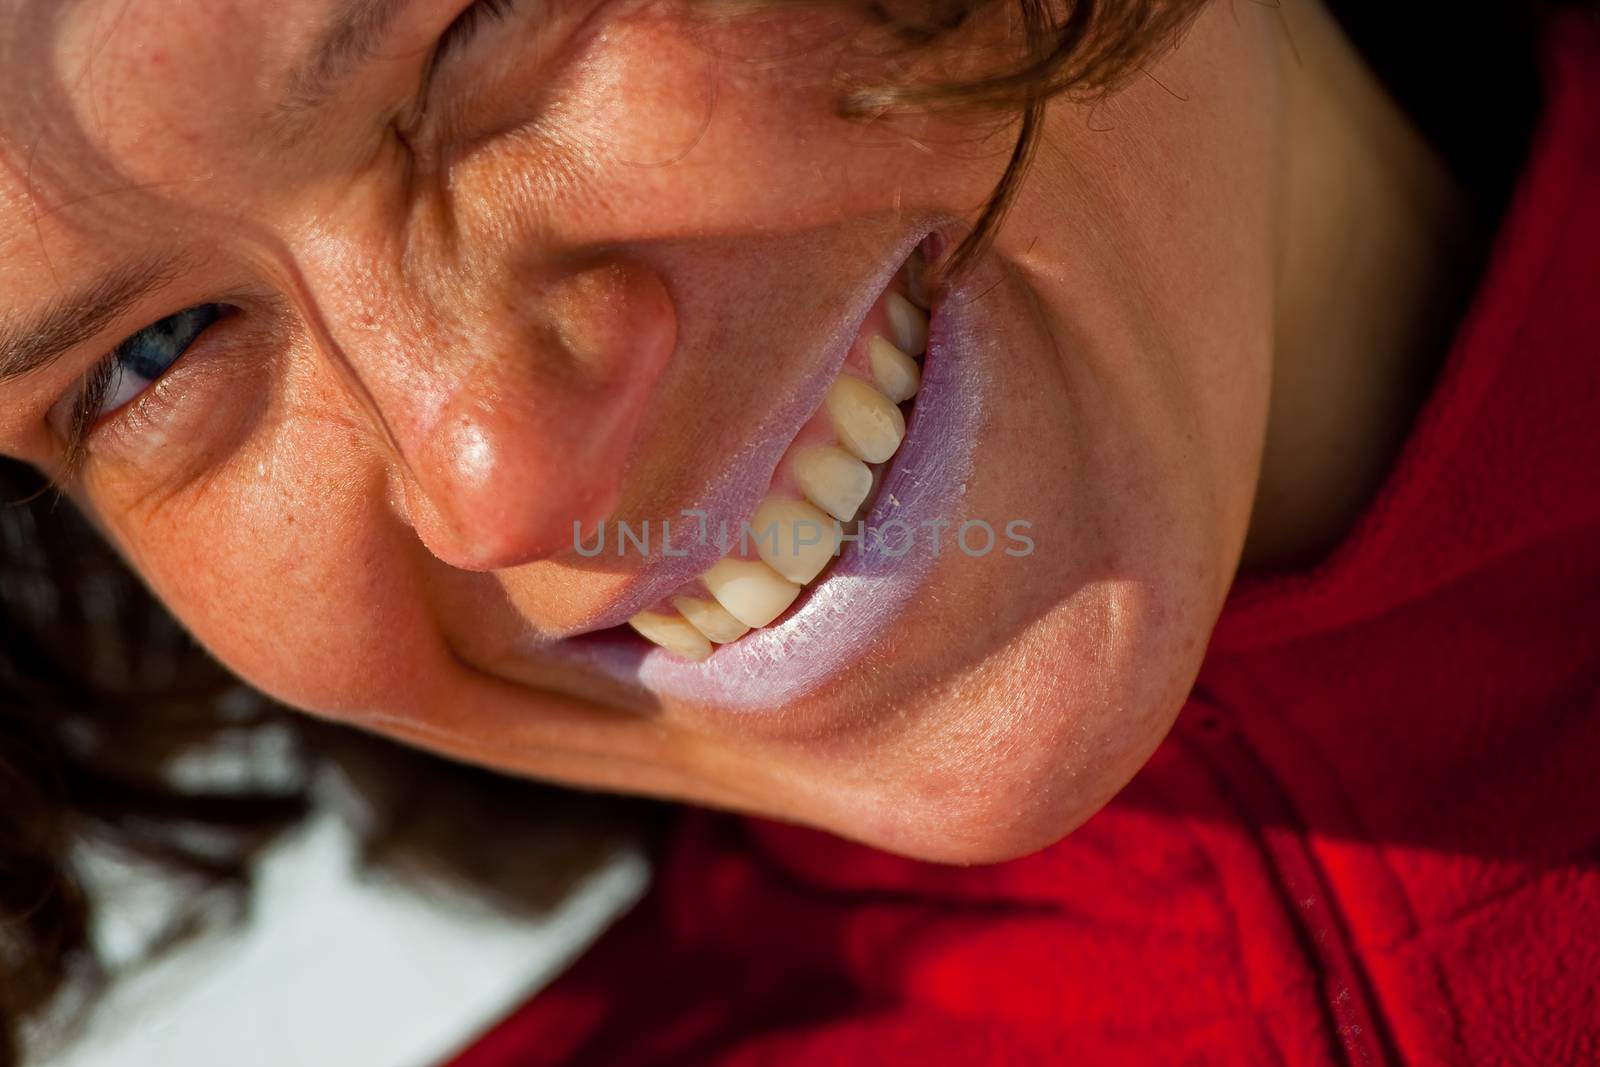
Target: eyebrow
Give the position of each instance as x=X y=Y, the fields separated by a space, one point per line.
x=70 y=321
x=350 y=37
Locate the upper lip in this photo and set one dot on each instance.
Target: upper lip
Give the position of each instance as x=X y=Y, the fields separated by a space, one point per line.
x=732 y=495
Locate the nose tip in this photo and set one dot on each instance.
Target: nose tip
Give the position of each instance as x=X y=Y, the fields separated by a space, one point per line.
x=531 y=442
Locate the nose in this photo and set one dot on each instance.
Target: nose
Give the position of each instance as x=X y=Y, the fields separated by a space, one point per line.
x=525 y=439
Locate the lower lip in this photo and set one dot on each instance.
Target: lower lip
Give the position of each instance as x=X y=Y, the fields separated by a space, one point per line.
x=842 y=617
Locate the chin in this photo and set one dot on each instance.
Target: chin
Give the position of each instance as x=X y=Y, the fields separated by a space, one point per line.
x=1021 y=749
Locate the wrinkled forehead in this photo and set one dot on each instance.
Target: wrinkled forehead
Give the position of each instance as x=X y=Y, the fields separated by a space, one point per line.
x=121 y=118
x=111 y=109
x=122 y=73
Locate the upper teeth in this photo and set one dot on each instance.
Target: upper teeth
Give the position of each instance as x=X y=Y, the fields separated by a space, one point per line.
x=866 y=421
x=907 y=323
x=751 y=591
x=711 y=619
x=672 y=632
x=831 y=478
x=796 y=538
x=896 y=373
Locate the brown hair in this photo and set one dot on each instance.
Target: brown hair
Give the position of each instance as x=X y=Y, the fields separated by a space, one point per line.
x=100 y=690
x=1079 y=50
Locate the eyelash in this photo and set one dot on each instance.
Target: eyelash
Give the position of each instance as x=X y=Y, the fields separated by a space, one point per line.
x=470 y=22
x=88 y=408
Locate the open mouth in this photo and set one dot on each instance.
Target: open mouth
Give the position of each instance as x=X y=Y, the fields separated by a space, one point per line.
x=779 y=619
x=827 y=482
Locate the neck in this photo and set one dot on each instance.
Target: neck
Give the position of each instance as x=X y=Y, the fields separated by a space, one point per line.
x=1375 y=256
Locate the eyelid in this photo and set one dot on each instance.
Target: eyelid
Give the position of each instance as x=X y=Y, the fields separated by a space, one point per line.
x=186 y=427
x=77 y=427
x=472 y=20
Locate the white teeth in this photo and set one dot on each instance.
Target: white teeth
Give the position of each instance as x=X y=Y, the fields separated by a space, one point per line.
x=749 y=590
x=867 y=422
x=710 y=619
x=832 y=479
x=796 y=539
x=908 y=323
x=896 y=373
x=672 y=633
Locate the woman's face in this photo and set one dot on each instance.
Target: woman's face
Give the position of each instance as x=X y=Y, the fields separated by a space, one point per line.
x=595 y=261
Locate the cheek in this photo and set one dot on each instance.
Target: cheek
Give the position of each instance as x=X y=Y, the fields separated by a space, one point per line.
x=1164 y=270
x=287 y=568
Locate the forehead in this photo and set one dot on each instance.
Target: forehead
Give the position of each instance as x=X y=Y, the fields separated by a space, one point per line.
x=119 y=118
x=137 y=82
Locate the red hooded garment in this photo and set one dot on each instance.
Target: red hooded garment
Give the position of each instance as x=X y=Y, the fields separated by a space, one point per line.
x=1372 y=837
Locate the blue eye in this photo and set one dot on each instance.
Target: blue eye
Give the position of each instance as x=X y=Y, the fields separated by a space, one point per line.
x=141 y=359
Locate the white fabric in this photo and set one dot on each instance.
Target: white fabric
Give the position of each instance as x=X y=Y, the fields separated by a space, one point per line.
x=332 y=970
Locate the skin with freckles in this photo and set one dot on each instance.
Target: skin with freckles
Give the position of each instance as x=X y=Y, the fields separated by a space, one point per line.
x=567 y=269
